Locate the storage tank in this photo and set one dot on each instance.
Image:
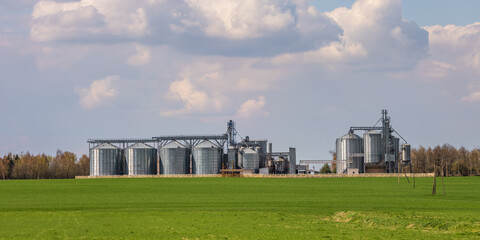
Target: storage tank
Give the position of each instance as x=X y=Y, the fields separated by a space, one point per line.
x=240 y=158
x=406 y=154
x=349 y=153
x=141 y=159
x=207 y=158
x=251 y=159
x=232 y=158
x=372 y=147
x=174 y=159
x=396 y=147
x=106 y=159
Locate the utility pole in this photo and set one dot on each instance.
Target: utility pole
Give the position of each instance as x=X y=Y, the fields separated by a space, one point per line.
x=443 y=185
x=434 y=190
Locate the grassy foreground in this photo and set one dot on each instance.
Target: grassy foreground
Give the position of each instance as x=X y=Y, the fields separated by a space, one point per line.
x=239 y=208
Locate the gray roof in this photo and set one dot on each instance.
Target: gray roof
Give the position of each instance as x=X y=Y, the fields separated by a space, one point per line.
x=140 y=145
x=350 y=136
x=174 y=144
x=249 y=150
x=106 y=146
x=206 y=144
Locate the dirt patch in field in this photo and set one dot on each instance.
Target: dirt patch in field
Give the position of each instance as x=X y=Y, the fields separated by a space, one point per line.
x=407 y=221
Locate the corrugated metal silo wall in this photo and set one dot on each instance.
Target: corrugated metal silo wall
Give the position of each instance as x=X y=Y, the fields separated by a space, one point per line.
x=396 y=147
x=357 y=147
x=345 y=147
x=104 y=162
x=174 y=161
x=239 y=160
x=406 y=152
x=292 y=160
x=251 y=161
x=232 y=159
x=206 y=160
x=141 y=161
x=373 y=147
x=341 y=164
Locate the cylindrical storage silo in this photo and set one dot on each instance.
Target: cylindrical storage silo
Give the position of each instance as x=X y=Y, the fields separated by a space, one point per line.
x=372 y=147
x=349 y=153
x=105 y=159
x=240 y=158
x=207 y=158
x=174 y=159
x=406 y=154
x=251 y=160
x=141 y=159
x=232 y=158
x=396 y=147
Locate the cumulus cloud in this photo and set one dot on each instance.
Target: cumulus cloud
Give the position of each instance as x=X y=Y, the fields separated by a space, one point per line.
x=141 y=57
x=242 y=19
x=100 y=93
x=194 y=100
x=88 y=18
x=473 y=97
x=227 y=27
x=217 y=85
x=253 y=108
x=375 y=36
x=456 y=45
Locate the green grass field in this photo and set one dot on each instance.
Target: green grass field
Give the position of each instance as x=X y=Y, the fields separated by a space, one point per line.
x=239 y=208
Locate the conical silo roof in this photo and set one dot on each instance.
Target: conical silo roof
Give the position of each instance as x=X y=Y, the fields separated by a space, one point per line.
x=249 y=150
x=174 y=144
x=106 y=146
x=206 y=144
x=350 y=135
x=140 y=145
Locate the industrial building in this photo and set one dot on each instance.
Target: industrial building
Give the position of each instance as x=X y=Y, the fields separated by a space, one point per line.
x=193 y=154
x=378 y=151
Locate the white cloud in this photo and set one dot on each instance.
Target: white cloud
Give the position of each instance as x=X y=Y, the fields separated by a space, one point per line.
x=209 y=85
x=100 y=93
x=433 y=69
x=473 y=97
x=456 y=45
x=242 y=19
x=86 y=18
x=375 y=36
x=142 y=56
x=194 y=100
x=246 y=28
x=253 y=108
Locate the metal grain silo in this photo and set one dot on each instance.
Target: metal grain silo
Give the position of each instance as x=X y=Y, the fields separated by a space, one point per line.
x=240 y=158
x=406 y=153
x=232 y=158
x=106 y=159
x=349 y=153
x=372 y=147
x=396 y=147
x=251 y=159
x=174 y=159
x=207 y=158
x=141 y=159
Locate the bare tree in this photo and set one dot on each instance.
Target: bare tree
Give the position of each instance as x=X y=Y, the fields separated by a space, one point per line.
x=83 y=166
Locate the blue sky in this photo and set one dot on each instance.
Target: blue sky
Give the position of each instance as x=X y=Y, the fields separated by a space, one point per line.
x=298 y=73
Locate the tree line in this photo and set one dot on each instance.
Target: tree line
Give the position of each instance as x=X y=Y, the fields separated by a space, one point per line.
x=42 y=166
x=450 y=160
